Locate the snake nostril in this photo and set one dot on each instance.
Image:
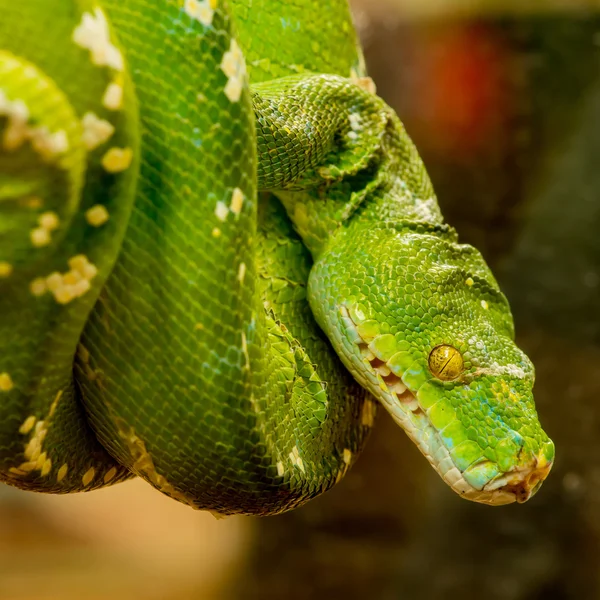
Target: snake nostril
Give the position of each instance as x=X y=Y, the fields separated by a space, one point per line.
x=519 y=440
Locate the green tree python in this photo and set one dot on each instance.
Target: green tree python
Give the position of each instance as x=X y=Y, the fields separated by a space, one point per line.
x=220 y=251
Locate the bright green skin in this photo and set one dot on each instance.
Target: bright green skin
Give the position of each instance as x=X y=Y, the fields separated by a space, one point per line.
x=195 y=351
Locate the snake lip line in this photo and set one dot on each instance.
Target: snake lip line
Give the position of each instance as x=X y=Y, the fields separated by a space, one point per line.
x=429 y=442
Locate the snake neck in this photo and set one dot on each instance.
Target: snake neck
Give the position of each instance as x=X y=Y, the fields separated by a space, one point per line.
x=346 y=160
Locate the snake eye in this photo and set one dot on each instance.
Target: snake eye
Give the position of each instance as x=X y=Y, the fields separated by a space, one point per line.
x=446 y=362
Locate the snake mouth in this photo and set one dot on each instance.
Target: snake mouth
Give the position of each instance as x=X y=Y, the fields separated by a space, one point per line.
x=523 y=483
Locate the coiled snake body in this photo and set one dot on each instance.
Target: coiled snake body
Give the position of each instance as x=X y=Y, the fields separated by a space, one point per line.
x=211 y=284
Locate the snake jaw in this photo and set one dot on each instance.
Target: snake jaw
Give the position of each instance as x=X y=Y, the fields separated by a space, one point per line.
x=517 y=485
x=428 y=440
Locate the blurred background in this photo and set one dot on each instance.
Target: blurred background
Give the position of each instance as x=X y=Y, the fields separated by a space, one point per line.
x=502 y=97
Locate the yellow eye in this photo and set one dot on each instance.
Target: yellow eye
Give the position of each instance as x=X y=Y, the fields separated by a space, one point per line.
x=446 y=362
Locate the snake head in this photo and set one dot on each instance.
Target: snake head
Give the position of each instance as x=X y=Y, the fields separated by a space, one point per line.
x=420 y=322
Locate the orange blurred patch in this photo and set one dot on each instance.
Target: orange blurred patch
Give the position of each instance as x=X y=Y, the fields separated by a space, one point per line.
x=463 y=98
